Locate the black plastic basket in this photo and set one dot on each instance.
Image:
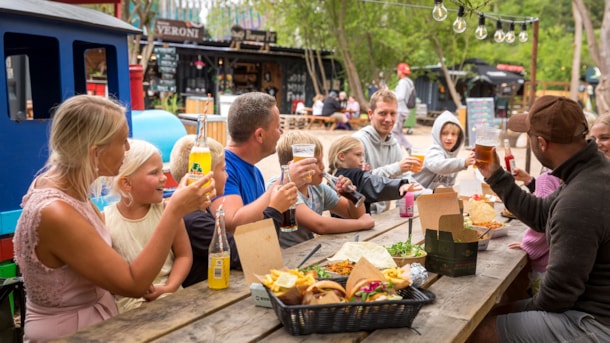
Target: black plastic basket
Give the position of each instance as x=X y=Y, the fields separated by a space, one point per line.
x=349 y=317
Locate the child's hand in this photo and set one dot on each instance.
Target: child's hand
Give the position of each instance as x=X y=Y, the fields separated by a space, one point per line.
x=344 y=183
x=196 y=196
x=282 y=197
x=410 y=164
x=409 y=187
x=514 y=245
x=365 y=166
x=521 y=175
x=470 y=159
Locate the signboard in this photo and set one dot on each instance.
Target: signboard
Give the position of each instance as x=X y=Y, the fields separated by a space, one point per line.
x=167 y=60
x=177 y=30
x=480 y=112
x=246 y=35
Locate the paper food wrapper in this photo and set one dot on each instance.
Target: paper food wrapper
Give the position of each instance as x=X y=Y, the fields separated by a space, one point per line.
x=363 y=269
x=481 y=211
x=374 y=253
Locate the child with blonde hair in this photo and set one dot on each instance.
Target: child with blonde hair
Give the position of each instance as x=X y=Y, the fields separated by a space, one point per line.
x=132 y=220
x=346 y=158
x=316 y=197
x=200 y=224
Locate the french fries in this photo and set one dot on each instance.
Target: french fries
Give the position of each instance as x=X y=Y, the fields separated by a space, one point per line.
x=278 y=281
x=397 y=276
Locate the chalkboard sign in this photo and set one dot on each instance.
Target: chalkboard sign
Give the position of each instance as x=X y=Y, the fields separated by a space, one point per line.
x=167 y=60
x=479 y=112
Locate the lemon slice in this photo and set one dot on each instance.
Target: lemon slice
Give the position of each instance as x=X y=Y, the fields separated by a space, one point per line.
x=286 y=280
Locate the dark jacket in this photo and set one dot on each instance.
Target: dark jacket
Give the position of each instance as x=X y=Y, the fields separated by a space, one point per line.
x=200 y=228
x=374 y=187
x=331 y=105
x=576 y=220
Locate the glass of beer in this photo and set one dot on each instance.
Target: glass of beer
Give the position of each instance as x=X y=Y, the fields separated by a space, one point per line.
x=486 y=139
x=303 y=151
x=420 y=154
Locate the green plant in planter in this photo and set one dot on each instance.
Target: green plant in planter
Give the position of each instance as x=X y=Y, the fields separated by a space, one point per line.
x=171 y=103
x=406 y=249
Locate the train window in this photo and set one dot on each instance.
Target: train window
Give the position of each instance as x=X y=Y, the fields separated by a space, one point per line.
x=33 y=75
x=96 y=71
x=19 y=89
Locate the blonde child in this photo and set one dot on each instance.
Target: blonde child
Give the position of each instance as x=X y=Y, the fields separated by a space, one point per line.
x=132 y=220
x=200 y=224
x=316 y=197
x=346 y=158
x=600 y=132
x=442 y=163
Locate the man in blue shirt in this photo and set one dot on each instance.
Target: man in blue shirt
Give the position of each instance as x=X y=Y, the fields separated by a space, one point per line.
x=254 y=128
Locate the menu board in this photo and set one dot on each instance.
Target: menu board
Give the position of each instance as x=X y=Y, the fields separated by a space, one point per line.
x=479 y=112
x=167 y=61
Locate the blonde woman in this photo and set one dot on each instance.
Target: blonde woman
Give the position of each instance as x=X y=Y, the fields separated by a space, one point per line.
x=62 y=246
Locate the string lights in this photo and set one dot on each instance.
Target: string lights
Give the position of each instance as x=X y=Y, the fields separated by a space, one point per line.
x=440 y=13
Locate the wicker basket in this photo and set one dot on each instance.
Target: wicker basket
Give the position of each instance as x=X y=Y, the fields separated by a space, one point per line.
x=349 y=317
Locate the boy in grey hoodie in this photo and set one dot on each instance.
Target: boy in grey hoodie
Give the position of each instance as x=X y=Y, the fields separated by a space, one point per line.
x=441 y=163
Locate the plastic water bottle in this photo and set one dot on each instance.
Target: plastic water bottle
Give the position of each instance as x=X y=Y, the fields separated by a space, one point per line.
x=405 y=205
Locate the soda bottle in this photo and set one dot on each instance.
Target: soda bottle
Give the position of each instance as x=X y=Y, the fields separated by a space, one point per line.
x=289 y=221
x=405 y=205
x=354 y=196
x=219 y=255
x=200 y=158
x=509 y=159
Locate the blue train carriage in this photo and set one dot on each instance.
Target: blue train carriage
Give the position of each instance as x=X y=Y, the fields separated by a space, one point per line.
x=45 y=48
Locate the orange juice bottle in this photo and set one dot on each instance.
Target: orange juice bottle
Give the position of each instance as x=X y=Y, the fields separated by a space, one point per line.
x=219 y=255
x=200 y=158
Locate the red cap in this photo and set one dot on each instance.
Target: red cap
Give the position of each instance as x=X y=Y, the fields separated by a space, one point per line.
x=404 y=68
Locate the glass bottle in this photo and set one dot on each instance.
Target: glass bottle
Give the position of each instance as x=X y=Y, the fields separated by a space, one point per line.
x=200 y=158
x=509 y=159
x=405 y=205
x=219 y=255
x=351 y=193
x=289 y=221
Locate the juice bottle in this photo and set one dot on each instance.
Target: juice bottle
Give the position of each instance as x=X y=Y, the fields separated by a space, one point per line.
x=219 y=255
x=200 y=158
x=405 y=205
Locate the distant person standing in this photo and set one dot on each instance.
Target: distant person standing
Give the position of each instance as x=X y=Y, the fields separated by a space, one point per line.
x=372 y=88
x=405 y=95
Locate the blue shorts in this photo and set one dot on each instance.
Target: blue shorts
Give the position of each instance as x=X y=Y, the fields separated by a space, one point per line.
x=540 y=326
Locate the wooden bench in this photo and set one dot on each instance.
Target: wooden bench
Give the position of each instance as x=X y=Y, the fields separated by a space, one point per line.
x=359 y=122
x=321 y=120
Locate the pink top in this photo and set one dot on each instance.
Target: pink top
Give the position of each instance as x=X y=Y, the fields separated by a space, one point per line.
x=534 y=243
x=59 y=301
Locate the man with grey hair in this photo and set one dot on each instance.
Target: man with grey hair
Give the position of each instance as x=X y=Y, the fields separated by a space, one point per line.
x=254 y=129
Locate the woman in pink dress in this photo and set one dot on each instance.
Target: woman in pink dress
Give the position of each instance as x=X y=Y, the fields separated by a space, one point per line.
x=62 y=247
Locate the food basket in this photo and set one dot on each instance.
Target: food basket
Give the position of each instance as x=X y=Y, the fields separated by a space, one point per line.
x=350 y=317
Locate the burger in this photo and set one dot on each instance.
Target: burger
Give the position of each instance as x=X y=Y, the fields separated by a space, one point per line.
x=324 y=291
x=367 y=290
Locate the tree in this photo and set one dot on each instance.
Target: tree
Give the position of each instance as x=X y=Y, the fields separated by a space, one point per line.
x=600 y=53
x=141 y=14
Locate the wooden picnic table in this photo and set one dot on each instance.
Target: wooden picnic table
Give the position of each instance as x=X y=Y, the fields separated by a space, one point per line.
x=199 y=314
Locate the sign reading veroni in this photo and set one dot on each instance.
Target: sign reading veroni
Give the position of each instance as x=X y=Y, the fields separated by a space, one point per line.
x=176 y=30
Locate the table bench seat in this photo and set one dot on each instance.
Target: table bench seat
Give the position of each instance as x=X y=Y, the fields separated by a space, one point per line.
x=321 y=120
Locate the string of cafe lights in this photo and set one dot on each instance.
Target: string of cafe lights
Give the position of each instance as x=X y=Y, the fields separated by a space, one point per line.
x=440 y=13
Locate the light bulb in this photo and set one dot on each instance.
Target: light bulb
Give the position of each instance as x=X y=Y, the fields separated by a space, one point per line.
x=523 y=34
x=459 y=25
x=439 y=12
x=481 y=31
x=510 y=35
x=499 y=35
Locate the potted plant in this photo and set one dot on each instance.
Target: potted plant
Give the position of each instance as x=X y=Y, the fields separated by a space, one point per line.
x=406 y=253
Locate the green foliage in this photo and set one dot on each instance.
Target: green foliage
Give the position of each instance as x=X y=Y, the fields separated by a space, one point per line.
x=171 y=103
x=406 y=249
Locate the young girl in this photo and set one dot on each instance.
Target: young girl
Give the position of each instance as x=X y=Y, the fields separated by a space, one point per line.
x=132 y=220
x=200 y=224
x=346 y=157
x=317 y=197
x=600 y=132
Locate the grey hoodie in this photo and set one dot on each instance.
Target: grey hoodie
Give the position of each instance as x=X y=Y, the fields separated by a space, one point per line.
x=441 y=166
x=383 y=156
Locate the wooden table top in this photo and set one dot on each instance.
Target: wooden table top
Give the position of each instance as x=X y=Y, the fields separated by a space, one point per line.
x=199 y=314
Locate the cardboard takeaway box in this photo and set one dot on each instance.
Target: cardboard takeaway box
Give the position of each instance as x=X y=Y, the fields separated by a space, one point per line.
x=259 y=251
x=452 y=250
